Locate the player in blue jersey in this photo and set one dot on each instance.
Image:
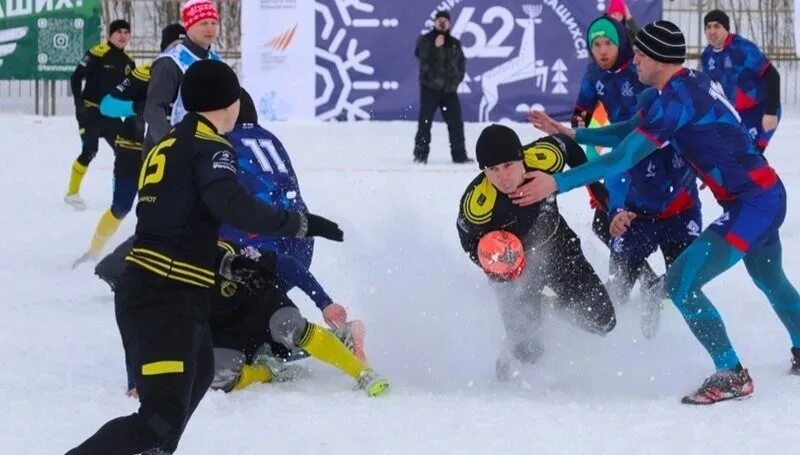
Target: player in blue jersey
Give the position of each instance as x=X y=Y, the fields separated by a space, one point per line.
x=692 y=113
x=657 y=198
x=266 y=171
x=611 y=76
x=748 y=78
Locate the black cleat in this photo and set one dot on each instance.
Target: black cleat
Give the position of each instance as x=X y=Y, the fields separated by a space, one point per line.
x=795 y=362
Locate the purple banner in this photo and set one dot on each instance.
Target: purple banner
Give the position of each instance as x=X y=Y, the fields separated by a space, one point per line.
x=520 y=54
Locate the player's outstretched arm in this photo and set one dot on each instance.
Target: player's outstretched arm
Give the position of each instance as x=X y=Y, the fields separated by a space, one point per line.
x=606 y=136
x=630 y=151
x=540 y=185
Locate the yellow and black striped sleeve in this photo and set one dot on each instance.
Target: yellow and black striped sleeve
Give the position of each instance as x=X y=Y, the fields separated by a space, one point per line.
x=553 y=153
x=475 y=213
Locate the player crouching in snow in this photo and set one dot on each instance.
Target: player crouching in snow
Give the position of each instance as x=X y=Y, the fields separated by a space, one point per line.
x=255 y=317
x=552 y=252
x=257 y=329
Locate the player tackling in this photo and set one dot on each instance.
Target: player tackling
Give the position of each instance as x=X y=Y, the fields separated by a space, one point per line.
x=692 y=113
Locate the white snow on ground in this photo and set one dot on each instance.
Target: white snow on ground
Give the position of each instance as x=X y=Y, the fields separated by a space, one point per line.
x=433 y=327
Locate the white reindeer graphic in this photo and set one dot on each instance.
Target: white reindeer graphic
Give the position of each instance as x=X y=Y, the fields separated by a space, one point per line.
x=523 y=66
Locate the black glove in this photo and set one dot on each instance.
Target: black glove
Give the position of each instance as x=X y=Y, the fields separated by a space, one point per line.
x=248 y=272
x=323 y=227
x=81 y=113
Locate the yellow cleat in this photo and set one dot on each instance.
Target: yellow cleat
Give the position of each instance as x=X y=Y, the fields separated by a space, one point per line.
x=371 y=383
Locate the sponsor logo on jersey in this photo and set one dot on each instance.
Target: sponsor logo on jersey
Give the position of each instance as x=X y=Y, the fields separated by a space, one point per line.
x=224 y=159
x=724 y=218
x=693 y=228
x=627 y=89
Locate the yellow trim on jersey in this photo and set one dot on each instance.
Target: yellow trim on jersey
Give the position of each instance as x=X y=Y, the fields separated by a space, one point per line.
x=479 y=202
x=226 y=246
x=205 y=132
x=100 y=50
x=88 y=103
x=162 y=367
x=169 y=260
x=142 y=73
x=544 y=156
x=127 y=144
x=164 y=266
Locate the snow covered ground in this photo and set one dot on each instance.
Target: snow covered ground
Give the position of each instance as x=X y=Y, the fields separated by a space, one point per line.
x=433 y=328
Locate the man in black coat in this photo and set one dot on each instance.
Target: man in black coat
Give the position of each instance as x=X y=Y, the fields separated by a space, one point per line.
x=441 y=70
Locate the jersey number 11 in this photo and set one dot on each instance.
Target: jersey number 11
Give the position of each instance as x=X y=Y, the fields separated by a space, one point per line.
x=258 y=146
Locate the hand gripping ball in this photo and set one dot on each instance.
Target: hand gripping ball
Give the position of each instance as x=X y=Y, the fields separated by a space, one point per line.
x=501 y=253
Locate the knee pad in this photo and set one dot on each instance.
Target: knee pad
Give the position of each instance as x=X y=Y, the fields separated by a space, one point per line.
x=287 y=326
x=227 y=368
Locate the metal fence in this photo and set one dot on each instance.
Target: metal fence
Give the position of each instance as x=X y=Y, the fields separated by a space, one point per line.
x=770 y=23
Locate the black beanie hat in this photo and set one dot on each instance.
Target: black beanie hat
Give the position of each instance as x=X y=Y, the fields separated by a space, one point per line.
x=442 y=13
x=247 y=111
x=497 y=144
x=117 y=25
x=171 y=33
x=718 y=15
x=209 y=85
x=662 y=41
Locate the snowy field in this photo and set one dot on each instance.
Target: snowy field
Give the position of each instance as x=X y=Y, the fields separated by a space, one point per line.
x=432 y=324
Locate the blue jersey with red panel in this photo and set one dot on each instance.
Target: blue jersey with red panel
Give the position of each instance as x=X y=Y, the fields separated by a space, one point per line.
x=739 y=67
x=694 y=116
x=659 y=187
x=617 y=91
x=616 y=87
x=266 y=171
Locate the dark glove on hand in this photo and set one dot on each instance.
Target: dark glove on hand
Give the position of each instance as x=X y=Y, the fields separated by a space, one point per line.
x=81 y=113
x=245 y=271
x=323 y=227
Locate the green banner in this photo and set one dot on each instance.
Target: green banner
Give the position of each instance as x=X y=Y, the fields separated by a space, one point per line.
x=45 y=39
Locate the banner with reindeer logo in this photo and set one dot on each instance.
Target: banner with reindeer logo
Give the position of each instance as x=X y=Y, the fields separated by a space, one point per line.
x=45 y=39
x=354 y=59
x=520 y=54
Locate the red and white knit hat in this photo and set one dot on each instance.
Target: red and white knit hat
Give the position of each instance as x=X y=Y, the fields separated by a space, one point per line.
x=195 y=11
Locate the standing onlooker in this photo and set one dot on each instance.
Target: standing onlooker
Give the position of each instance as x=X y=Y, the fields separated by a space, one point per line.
x=441 y=70
x=747 y=77
x=103 y=67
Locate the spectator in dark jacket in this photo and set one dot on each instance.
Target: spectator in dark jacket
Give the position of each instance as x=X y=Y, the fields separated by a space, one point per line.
x=441 y=70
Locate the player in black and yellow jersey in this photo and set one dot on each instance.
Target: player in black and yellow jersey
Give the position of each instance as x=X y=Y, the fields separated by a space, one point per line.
x=257 y=329
x=126 y=101
x=103 y=67
x=552 y=250
x=187 y=185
